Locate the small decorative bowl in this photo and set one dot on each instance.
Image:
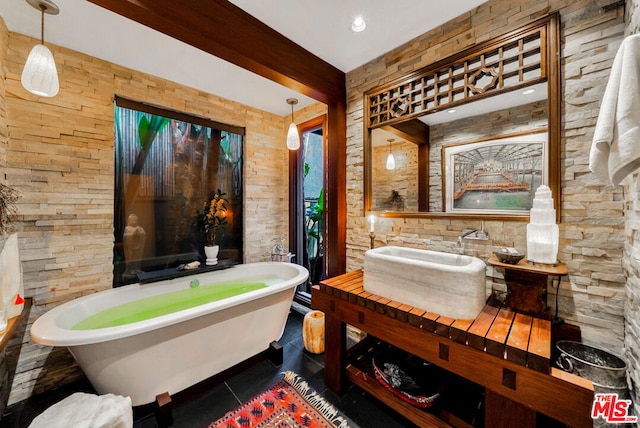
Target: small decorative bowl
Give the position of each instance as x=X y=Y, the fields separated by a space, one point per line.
x=510 y=257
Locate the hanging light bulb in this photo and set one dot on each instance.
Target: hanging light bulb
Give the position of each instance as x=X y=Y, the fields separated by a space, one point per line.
x=391 y=161
x=40 y=76
x=293 y=137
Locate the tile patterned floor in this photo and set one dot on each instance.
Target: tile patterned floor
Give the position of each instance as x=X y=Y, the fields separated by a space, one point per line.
x=209 y=404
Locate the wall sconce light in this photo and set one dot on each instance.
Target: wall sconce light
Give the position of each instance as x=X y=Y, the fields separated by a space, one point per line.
x=40 y=76
x=391 y=161
x=293 y=138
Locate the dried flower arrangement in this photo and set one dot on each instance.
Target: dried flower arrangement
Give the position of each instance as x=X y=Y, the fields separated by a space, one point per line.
x=213 y=216
x=8 y=209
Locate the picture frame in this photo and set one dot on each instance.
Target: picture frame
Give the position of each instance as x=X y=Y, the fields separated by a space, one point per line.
x=495 y=175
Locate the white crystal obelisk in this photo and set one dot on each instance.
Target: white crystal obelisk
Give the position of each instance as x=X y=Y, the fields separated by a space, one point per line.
x=542 y=230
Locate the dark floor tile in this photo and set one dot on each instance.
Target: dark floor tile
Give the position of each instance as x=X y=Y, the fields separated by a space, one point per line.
x=317 y=358
x=253 y=380
x=366 y=411
x=262 y=375
x=206 y=408
x=293 y=329
x=148 y=421
x=300 y=361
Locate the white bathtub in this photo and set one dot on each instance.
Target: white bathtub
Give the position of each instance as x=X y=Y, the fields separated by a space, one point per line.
x=447 y=284
x=172 y=352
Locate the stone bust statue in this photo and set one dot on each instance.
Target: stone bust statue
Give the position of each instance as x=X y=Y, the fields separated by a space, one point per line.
x=133 y=241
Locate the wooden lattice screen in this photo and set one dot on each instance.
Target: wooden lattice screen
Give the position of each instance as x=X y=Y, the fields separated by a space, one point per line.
x=505 y=65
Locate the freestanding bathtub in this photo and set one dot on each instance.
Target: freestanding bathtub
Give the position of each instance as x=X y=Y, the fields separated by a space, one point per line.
x=171 y=352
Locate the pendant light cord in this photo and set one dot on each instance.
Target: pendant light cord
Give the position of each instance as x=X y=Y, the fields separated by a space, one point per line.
x=42 y=7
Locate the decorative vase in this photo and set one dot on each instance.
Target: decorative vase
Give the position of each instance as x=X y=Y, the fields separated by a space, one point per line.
x=212 y=254
x=313 y=332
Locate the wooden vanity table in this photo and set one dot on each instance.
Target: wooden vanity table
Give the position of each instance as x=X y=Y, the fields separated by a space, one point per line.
x=503 y=351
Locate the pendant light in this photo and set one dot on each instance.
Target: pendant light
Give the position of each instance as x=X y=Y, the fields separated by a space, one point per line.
x=293 y=138
x=391 y=161
x=40 y=76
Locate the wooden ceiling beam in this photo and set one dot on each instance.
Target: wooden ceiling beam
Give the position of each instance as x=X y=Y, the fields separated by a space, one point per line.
x=224 y=30
x=414 y=131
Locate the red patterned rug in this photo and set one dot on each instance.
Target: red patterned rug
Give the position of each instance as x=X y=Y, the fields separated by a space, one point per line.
x=291 y=402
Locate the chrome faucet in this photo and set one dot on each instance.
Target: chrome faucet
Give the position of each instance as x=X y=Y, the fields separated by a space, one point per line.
x=481 y=234
x=194 y=283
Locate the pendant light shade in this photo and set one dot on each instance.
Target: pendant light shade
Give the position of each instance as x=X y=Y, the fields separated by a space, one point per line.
x=40 y=76
x=391 y=160
x=293 y=137
x=293 y=140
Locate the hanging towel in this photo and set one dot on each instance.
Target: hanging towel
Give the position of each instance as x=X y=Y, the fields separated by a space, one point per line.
x=615 y=150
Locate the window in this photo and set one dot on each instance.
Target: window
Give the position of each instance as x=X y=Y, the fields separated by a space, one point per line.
x=167 y=166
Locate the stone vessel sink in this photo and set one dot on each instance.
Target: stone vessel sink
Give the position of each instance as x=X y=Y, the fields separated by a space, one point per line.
x=447 y=284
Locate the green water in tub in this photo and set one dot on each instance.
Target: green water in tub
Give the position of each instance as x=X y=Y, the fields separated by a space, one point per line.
x=155 y=306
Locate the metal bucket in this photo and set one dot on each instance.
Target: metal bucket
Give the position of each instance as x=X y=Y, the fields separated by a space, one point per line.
x=607 y=372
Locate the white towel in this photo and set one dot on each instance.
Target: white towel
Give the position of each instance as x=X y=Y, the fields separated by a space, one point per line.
x=82 y=410
x=615 y=151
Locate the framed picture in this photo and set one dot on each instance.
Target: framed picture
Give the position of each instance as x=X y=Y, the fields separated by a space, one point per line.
x=498 y=175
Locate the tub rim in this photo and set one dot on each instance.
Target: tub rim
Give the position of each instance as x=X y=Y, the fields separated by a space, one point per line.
x=46 y=331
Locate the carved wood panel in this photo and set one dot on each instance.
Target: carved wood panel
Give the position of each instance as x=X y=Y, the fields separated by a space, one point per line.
x=498 y=66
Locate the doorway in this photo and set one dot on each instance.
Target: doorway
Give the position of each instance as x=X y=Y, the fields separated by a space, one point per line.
x=307 y=204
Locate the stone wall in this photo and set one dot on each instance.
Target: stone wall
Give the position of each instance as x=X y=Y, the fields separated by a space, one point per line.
x=311 y=112
x=592 y=222
x=633 y=16
x=4 y=135
x=60 y=157
x=403 y=179
x=5 y=386
x=632 y=251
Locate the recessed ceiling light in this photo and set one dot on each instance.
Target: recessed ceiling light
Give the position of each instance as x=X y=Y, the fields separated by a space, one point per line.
x=450 y=111
x=358 y=24
x=528 y=91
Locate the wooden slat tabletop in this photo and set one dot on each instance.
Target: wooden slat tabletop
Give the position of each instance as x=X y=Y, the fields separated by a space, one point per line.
x=459 y=330
x=539 y=350
x=496 y=338
x=497 y=330
x=481 y=326
x=518 y=340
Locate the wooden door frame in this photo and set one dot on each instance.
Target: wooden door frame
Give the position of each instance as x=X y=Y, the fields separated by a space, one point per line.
x=296 y=194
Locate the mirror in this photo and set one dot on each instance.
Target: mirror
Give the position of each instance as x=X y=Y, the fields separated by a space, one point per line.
x=465 y=139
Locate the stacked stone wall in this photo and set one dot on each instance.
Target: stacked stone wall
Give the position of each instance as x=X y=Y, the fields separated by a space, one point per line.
x=5 y=385
x=4 y=134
